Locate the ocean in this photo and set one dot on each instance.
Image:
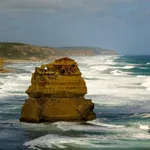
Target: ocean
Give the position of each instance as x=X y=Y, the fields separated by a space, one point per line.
x=118 y=85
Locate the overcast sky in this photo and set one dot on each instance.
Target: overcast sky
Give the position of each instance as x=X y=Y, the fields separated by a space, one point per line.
x=121 y=25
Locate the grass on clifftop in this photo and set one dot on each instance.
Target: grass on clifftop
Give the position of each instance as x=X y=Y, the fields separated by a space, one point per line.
x=5 y=45
x=6 y=49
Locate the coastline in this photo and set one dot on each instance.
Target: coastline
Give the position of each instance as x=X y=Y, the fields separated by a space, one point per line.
x=31 y=60
x=17 y=61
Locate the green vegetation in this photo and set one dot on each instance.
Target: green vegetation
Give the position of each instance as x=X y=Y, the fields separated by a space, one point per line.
x=28 y=52
x=20 y=51
x=6 y=49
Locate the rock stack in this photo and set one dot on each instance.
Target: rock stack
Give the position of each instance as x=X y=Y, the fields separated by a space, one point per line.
x=2 y=70
x=1 y=64
x=57 y=94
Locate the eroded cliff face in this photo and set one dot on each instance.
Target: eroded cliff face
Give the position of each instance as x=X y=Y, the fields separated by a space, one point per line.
x=2 y=70
x=21 y=51
x=57 y=94
x=1 y=64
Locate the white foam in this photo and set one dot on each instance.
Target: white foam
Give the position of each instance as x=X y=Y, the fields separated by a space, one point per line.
x=144 y=127
x=91 y=126
x=146 y=83
x=15 y=84
x=117 y=91
x=118 y=73
x=148 y=63
x=24 y=77
x=67 y=126
x=100 y=68
x=56 y=141
x=116 y=88
x=142 y=136
x=97 y=122
x=128 y=67
x=141 y=76
x=39 y=126
x=96 y=60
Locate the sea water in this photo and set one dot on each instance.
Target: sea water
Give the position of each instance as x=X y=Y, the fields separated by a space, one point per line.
x=118 y=85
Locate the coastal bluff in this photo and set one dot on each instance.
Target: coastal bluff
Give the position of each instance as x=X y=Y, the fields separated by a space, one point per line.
x=11 y=51
x=57 y=94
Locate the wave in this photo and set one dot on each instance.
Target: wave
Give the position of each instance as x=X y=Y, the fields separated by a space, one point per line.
x=100 y=68
x=90 y=78
x=15 y=84
x=68 y=126
x=146 y=84
x=94 y=126
x=148 y=63
x=135 y=125
x=54 y=141
x=24 y=77
x=118 y=73
x=86 y=140
x=142 y=136
x=140 y=76
x=140 y=115
x=128 y=67
x=98 y=126
x=144 y=127
x=98 y=123
x=139 y=126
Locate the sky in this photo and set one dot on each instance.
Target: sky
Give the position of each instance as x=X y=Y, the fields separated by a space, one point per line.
x=120 y=25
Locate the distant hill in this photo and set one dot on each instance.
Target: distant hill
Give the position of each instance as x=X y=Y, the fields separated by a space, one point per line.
x=23 y=51
x=95 y=50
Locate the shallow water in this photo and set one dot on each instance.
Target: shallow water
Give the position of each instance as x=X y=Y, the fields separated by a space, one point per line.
x=118 y=85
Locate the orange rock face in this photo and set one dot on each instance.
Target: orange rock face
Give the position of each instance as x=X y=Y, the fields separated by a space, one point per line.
x=1 y=64
x=2 y=70
x=57 y=94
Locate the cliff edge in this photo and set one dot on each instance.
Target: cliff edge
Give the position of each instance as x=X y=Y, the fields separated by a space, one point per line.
x=16 y=51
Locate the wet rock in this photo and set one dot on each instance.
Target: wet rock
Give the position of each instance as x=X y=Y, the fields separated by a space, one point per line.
x=57 y=94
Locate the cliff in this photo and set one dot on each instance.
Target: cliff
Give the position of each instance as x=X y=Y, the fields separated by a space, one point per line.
x=57 y=94
x=29 y=52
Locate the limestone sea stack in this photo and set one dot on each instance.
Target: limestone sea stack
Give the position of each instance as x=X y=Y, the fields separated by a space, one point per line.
x=1 y=64
x=2 y=70
x=57 y=94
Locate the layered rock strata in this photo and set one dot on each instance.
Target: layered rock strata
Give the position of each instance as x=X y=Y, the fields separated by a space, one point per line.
x=1 y=64
x=2 y=70
x=57 y=94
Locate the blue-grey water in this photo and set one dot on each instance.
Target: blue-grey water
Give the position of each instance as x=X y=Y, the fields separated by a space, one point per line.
x=118 y=85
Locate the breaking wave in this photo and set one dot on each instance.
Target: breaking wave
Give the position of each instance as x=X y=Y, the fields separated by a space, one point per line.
x=146 y=83
x=128 y=67
x=118 y=73
x=141 y=76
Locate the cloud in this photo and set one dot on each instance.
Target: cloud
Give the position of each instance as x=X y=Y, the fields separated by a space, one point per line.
x=58 y=5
